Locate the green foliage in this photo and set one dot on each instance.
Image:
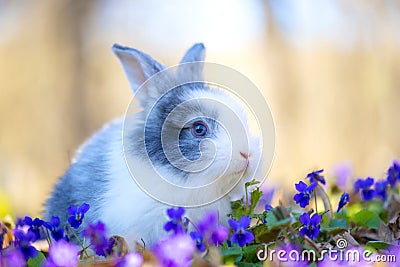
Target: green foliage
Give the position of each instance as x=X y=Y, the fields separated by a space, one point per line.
x=245 y=207
x=37 y=261
x=377 y=245
x=357 y=223
x=367 y=218
x=256 y=194
x=230 y=255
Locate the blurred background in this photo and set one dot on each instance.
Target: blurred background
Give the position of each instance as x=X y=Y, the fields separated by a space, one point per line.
x=330 y=71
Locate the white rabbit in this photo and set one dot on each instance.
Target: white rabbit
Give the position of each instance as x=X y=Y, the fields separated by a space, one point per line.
x=100 y=176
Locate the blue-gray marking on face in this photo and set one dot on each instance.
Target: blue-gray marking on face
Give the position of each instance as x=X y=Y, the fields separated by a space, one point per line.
x=189 y=145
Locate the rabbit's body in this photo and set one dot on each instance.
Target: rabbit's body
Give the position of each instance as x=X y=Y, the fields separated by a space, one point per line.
x=99 y=175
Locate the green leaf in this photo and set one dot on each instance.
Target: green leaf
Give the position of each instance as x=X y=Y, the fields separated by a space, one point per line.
x=274 y=223
x=335 y=226
x=238 y=209
x=264 y=235
x=250 y=183
x=246 y=188
x=255 y=196
x=367 y=218
x=250 y=253
x=230 y=255
x=260 y=217
x=249 y=264
x=37 y=261
x=377 y=244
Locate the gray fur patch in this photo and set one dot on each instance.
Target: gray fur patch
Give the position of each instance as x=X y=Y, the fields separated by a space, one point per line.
x=189 y=146
x=86 y=181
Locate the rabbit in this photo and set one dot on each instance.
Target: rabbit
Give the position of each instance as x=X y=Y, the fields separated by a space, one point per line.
x=99 y=174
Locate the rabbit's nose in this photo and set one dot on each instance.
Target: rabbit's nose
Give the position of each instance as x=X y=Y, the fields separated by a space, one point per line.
x=244 y=155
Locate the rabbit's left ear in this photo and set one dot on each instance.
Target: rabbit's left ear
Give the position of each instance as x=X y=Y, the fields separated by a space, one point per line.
x=193 y=72
x=138 y=67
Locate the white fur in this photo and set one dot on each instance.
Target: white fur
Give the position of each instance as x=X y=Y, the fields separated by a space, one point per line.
x=143 y=216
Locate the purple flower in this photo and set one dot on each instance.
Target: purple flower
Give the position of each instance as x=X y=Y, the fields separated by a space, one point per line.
x=287 y=256
x=266 y=197
x=311 y=225
x=344 y=199
x=212 y=232
x=342 y=171
x=23 y=241
x=219 y=235
x=175 y=224
x=96 y=233
x=12 y=257
x=3 y=232
x=132 y=259
x=77 y=214
x=63 y=254
x=241 y=236
x=208 y=221
x=304 y=195
x=198 y=238
x=284 y=251
x=34 y=226
x=176 y=250
x=392 y=250
x=20 y=223
x=53 y=226
x=365 y=186
x=316 y=176
x=356 y=256
x=268 y=207
x=380 y=189
x=393 y=174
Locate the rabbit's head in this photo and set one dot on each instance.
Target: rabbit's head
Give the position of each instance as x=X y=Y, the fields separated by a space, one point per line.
x=192 y=132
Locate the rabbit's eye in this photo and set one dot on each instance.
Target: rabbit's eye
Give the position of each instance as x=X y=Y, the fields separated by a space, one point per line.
x=199 y=129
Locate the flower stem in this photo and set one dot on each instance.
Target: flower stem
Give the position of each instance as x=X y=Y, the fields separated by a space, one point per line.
x=79 y=241
x=315 y=201
x=194 y=225
x=247 y=202
x=48 y=237
x=296 y=240
x=325 y=199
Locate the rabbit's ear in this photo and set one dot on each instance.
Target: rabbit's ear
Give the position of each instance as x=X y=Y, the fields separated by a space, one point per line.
x=193 y=72
x=196 y=53
x=137 y=65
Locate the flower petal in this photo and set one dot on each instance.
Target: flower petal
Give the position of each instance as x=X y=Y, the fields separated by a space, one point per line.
x=368 y=182
x=312 y=186
x=179 y=212
x=219 y=235
x=315 y=219
x=169 y=226
x=303 y=231
x=244 y=222
x=233 y=224
x=55 y=221
x=305 y=218
x=248 y=237
x=72 y=209
x=84 y=208
x=301 y=186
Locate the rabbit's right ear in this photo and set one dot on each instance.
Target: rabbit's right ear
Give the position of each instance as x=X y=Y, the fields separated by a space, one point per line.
x=192 y=72
x=137 y=65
